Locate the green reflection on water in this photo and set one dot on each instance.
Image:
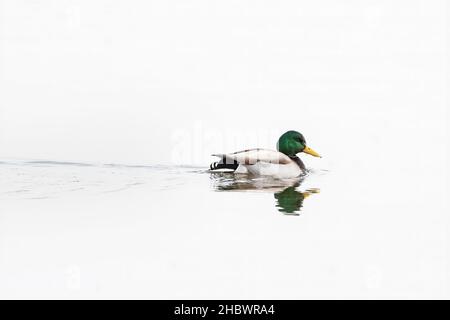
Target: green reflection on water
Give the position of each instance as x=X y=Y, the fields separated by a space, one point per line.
x=288 y=198
x=290 y=201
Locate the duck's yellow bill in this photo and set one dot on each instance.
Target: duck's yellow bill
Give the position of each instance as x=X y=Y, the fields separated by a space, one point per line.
x=310 y=151
x=306 y=194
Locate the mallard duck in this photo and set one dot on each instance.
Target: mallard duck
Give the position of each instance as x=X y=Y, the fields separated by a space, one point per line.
x=283 y=163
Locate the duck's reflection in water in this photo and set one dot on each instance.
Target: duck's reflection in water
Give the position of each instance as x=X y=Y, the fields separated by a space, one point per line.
x=288 y=195
x=290 y=201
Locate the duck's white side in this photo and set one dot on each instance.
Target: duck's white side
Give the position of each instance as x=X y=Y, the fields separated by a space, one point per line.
x=264 y=162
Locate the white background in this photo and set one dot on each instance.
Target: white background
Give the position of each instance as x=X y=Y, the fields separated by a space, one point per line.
x=113 y=81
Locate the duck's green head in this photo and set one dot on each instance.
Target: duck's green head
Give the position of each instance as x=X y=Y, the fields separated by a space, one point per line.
x=293 y=142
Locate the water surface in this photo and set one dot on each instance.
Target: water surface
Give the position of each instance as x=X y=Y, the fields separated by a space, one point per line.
x=39 y=179
x=82 y=230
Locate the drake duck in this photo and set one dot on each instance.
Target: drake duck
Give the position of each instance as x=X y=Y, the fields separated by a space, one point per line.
x=282 y=163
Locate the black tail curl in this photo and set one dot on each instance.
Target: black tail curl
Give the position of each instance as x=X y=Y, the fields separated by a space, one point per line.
x=222 y=164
